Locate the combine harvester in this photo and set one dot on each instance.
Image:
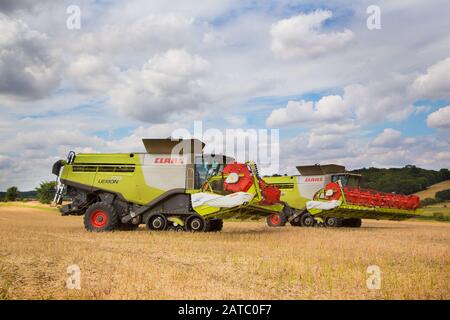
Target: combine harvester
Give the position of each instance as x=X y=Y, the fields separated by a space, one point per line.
x=327 y=195
x=174 y=186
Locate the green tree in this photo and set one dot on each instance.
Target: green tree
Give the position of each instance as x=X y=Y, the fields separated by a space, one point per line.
x=12 y=194
x=46 y=192
x=444 y=194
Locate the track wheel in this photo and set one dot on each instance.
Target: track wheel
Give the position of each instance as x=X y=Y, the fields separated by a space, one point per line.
x=214 y=225
x=196 y=224
x=156 y=223
x=307 y=220
x=127 y=226
x=276 y=220
x=352 y=223
x=101 y=216
x=332 y=222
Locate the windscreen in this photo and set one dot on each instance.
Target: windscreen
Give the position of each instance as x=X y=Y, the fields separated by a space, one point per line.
x=346 y=180
x=206 y=167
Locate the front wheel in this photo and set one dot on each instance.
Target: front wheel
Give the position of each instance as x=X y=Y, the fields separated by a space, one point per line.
x=101 y=217
x=276 y=220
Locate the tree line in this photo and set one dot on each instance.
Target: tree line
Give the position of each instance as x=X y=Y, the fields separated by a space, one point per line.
x=407 y=180
x=44 y=193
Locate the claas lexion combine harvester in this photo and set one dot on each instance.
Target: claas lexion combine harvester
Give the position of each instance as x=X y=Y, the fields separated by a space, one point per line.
x=175 y=186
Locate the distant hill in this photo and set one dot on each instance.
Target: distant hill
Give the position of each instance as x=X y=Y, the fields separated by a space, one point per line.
x=23 y=194
x=406 y=180
x=430 y=192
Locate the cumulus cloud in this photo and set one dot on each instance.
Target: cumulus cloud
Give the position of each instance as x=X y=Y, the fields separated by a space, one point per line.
x=388 y=138
x=169 y=84
x=440 y=119
x=28 y=68
x=378 y=101
x=150 y=34
x=435 y=83
x=301 y=36
x=92 y=74
x=327 y=109
x=12 y=5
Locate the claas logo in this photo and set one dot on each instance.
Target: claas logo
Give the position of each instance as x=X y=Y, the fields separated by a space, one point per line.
x=313 y=179
x=169 y=160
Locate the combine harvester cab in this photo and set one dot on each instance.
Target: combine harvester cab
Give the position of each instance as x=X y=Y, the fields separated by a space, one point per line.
x=327 y=195
x=173 y=186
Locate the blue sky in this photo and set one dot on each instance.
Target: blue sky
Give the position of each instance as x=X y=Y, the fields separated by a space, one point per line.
x=337 y=91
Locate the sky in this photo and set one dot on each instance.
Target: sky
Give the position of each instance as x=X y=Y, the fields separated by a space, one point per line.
x=337 y=90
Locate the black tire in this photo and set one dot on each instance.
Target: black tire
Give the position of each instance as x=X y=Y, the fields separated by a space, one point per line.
x=214 y=225
x=307 y=220
x=171 y=228
x=352 y=222
x=196 y=224
x=332 y=222
x=276 y=220
x=156 y=222
x=101 y=217
x=296 y=222
x=127 y=226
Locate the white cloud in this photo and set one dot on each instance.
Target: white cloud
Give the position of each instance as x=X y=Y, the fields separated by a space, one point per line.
x=171 y=84
x=388 y=138
x=435 y=83
x=422 y=109
x=149 y=34
x=328 y=109
x=378 y=101
x=243 y=75
x=301 y=36
x=440 y=119
x=92 y=74
x=28 y=68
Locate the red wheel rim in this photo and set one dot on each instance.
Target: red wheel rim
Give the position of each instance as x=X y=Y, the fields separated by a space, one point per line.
x=99 y=219
x=275 y=219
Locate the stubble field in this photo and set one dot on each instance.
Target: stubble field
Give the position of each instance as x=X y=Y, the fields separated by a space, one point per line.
x=248 y=260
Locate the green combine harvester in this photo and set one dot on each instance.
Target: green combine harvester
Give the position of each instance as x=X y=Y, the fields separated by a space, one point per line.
x=173 y=186
x=327 y=195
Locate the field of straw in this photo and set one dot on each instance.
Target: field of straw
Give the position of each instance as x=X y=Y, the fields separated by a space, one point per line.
x=248 y=260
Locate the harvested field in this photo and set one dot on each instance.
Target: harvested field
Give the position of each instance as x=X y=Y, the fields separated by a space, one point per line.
x=248 y=260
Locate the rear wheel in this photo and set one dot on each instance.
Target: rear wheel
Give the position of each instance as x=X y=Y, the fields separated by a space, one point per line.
x=156 y=223
x=276 y=220
x=100 y=217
